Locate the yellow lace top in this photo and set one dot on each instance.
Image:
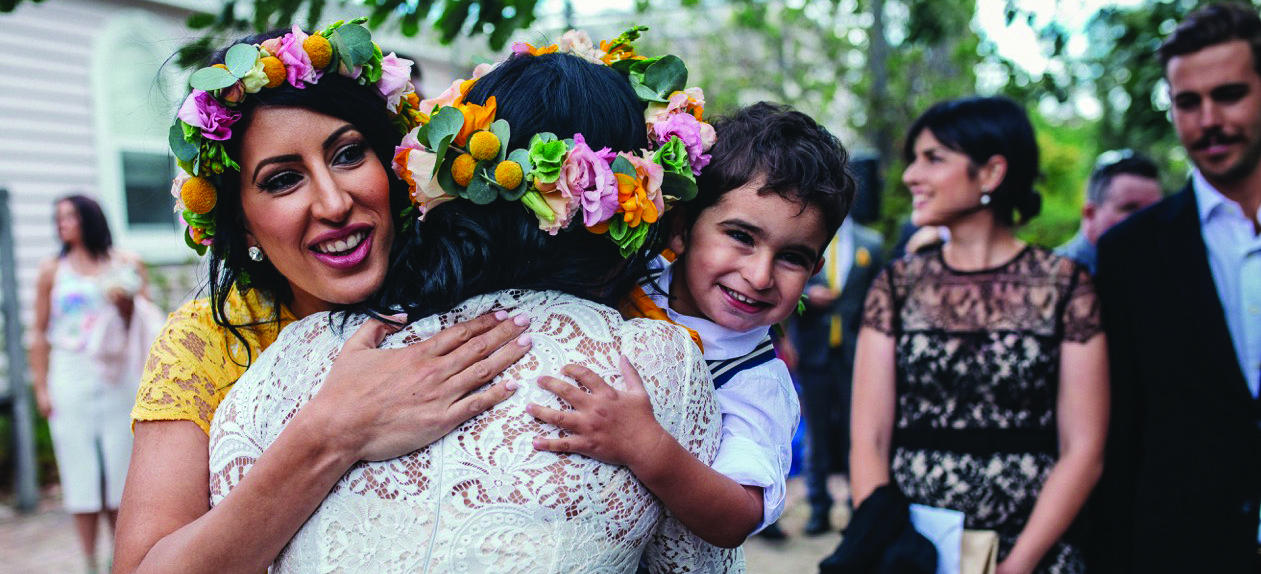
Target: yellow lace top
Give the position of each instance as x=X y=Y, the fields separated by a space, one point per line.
x=194 y=362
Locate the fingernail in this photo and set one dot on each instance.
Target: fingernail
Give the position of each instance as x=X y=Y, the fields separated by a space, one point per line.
x=538 y=444
x=501 y=315
x=521 y=319
x=524 y=339
x=512 y=386
x=398 y=317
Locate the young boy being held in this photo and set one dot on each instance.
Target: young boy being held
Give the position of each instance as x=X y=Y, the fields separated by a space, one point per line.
x=775 y=191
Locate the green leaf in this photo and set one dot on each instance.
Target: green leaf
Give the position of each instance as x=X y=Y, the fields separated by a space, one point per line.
x=623 y=166
x=480 y=190
x=354 y=44
x=211 y=79
x=443 y=146
x=240 y=59
x=199 y=248
x=501 y=131
x=447 y=122
x=666 y=76
x=678 y=186
x=181 y=148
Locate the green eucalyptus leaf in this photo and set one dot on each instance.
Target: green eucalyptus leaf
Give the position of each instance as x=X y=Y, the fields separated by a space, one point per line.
x=501 y=131
x=678 y=186
x=181 y=148
x=441 y=151
x=354 y=44
x=240 y=59
x=447 y=122
x=623 y=166
x=211 y=79
x=199 y=248
x=480 y=190
x=666 y=76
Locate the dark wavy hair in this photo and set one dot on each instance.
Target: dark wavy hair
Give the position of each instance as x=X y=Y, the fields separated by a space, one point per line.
x=334 y=95
x=462 y=249
x=1212 y=25
x=800 y=160
x=93 y=228
x=982 y=128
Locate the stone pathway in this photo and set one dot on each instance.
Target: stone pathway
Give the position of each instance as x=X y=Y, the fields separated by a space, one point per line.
x=44 y=541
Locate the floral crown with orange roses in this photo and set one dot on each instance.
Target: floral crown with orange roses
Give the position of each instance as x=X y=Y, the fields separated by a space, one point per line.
x=204 y=121
x=460 y=150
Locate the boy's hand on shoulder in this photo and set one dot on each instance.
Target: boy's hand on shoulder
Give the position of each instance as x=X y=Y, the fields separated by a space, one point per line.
x=606 y=424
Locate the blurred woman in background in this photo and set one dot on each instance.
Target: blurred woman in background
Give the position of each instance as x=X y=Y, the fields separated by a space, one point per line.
x=980 y=379
x=87 y=407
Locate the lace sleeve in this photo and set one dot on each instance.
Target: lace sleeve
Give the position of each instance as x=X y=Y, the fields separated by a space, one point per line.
x=1081 y=318
x=879 y=309
x=194 y=361
x=186 y=374
x=688 y=411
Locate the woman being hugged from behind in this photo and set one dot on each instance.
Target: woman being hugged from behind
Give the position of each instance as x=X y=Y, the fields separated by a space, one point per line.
x=559 y=228
x=289 y=145
x=980 y=381
x=86 y=405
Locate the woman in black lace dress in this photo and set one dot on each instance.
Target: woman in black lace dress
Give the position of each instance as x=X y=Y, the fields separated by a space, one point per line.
x=981 y=375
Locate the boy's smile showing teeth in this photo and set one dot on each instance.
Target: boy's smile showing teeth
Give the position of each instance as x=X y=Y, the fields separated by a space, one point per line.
x=745 y=260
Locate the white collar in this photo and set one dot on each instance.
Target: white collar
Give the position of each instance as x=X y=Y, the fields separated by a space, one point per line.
x=720 y=342
x=1207 y=198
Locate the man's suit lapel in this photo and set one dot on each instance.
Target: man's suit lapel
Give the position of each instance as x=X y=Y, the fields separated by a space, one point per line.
x=1186 y=267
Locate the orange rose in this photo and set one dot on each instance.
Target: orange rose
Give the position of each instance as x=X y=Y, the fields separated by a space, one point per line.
x=475 y=118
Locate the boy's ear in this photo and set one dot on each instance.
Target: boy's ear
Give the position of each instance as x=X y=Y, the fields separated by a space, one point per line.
x=818 y=265
x=678 y=231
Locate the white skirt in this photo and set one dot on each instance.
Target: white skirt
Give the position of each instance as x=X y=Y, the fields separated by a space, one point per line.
x=91 y=431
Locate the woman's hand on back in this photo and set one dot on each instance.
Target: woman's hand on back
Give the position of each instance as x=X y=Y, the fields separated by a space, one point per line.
x=385 y=403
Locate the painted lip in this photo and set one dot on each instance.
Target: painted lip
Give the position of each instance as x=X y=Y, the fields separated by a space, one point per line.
x=348 y=260
x=741 y=306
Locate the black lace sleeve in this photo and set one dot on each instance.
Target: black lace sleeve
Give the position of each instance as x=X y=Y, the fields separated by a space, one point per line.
x=1081 y=317
x=879 y=309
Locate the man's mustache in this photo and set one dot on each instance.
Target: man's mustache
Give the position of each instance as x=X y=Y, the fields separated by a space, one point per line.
x=1216 y=137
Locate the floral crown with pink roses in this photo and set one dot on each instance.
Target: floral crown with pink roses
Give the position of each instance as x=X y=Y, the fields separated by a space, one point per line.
x=204 y=121
x=460 y=150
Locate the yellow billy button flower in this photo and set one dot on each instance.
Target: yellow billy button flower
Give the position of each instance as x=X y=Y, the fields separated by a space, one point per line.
x=275 y=70
x=483 y=145
x=319 y=50
x=508 y=174
x=198 y=195
x=462 y=169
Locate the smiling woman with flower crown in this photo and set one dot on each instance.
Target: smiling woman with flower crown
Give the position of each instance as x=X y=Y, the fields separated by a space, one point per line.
x=286 y=142
x=547 y=208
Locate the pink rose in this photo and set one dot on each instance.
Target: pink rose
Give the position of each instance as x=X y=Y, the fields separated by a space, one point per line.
x=298 y=68
x=396 y=76
x=586 y=175
x=413 y=164
x=679 y=102
x=693 y=134
x=449 y=96
x=205 y=113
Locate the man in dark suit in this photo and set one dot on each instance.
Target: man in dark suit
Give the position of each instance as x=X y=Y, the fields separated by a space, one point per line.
x=1180 y=289
x=824 y=336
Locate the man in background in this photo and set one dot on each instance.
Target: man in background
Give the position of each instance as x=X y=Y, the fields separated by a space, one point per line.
x=824 y=337
x=1122 y=183
x=1179 y=287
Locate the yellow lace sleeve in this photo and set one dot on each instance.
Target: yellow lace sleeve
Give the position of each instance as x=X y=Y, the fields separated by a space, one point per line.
x=194 y=361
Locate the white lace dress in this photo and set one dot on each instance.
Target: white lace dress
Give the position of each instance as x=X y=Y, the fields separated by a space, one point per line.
x=481 y=499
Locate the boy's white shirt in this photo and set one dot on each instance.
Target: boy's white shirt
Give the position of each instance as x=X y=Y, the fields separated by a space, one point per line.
x=759 y=405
